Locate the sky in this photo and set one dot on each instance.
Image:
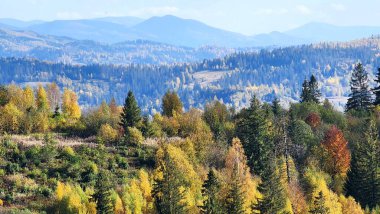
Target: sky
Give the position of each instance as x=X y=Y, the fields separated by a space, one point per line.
x=248 y=17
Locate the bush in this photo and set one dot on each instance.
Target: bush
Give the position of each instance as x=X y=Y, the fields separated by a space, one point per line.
x=107 y=134
x=135 y=136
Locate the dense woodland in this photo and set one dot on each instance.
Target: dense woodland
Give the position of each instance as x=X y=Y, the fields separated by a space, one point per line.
x=263 y=158
x=267 y=73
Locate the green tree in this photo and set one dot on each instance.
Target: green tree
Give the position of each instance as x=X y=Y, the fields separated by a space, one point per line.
x=364 y=176
x=274 y=196
x=254 y=130
x=376 y=90
x=235 y=196
x=171 y=103
x=216 y=116
x=4 y=98
x=319 y=205
x=305 y=93
x=210 y=190
x=102 y=194
x=314 y=89
x=131 y=114
x=276 y=107
x=310 y=91
x=360 y=97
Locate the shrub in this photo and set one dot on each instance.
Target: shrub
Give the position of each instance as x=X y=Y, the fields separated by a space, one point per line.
x=107 y=134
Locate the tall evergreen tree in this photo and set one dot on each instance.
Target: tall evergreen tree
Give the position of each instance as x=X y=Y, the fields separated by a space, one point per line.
x=376 y=90
x=360 y=97
x=210 y=190
x=314 y=90
x=102 y=194
x=319 y=206
x=235 y=198
x=310 y=91
x=131 y=115
x=254 y=130
x=364 y=176
x=305 y=93
x=274 y=198
x=276 y=107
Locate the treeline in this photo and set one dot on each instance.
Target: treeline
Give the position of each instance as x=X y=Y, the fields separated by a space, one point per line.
x=309 y=158
x=267 y=73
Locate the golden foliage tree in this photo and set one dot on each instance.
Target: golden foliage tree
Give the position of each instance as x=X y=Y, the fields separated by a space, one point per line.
x=70 y=106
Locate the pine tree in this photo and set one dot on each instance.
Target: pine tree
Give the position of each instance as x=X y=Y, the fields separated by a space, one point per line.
x=376 y=90
x=131 y=115
x=254 y=130
x=210 y=190
x=235 y=197
x=360 y=97
x=319 y=206
x=305 y=93
x=315 y=93
x=364 y=176
x=274 y=198
x=310 y=91
x=102 y=194
x=276 y=107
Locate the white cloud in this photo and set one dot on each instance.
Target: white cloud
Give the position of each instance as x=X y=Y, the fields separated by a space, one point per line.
x=154 y=11
x=338 y=7
x=303 y=9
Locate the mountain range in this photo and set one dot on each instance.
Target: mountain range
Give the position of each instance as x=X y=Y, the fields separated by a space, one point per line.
x=184 y=32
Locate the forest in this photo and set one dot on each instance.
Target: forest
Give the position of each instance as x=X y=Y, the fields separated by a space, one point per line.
x=263 y=158
x=233 y=80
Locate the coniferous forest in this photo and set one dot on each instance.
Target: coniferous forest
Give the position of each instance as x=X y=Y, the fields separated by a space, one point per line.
x=57 y=157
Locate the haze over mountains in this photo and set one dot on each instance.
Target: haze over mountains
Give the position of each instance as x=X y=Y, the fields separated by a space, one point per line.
x=185 y=32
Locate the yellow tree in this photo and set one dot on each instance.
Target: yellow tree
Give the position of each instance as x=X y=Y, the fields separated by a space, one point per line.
x=29 y=99
x=10 y=118
x=177 y=187
x=42 y=99
x=41 y=120
x=236 y=167
x=70 y=106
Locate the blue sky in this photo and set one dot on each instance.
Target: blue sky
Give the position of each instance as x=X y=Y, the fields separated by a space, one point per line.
x=243 y=16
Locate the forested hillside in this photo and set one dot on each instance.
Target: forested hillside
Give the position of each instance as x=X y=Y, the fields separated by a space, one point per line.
x=70 y=51
x=233 y=79
x=310 y=158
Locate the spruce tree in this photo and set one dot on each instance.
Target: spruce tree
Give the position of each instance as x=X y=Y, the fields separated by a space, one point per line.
x=376 y=90
x=276 y=107
x=210 y=190
x=131 y=115
x=319 y=206
x=315 y=93
x=364 y=177
x=274 y=198
x=102 y=194
x=254 y=130
x=305 y=93
x=310 y=91
x=360 y=97
x=235 y=198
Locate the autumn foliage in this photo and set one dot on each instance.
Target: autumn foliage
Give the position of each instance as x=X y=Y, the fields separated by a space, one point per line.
x=313 y=119
x=338 y=153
